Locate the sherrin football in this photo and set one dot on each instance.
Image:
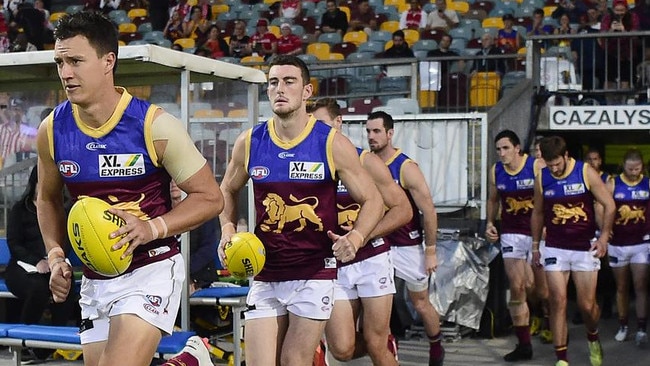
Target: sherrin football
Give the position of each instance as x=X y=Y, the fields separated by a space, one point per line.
x=245 y=255
x=89 y=226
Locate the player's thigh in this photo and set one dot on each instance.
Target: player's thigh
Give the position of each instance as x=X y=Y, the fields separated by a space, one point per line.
x=340 y=330
x=516 y=271
x=585 y=283
x=92 y=352
x=264 y=337
x=131 y=340
x=557 y=282
x=301 y=340
x=376 y=315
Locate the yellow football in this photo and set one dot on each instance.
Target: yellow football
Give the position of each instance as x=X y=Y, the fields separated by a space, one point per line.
x=245 y=255
x=89 y=226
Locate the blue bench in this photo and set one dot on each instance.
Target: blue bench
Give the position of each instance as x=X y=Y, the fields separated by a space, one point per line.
x=18 y=336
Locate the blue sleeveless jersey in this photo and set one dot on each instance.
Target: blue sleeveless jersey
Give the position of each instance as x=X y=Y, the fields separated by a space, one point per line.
x=295 y=201
x=516 y=194
x=632 y=219
x=568 y=208
x=114 y=164
x=411 y=233
x=348 y=210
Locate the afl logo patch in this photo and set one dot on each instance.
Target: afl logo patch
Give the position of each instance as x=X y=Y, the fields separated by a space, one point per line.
x=68 y=168
x=259 y=172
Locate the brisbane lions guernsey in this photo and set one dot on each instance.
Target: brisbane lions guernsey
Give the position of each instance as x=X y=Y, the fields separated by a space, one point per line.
x=632 y=220
x=568 y=208
x=294 y=185
x=114 y=163
x=411 y=233
x=348 y=210
x=516 y=192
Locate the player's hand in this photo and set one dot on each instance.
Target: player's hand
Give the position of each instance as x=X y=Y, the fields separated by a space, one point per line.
x=227 y=231
x=42 y=266
x=537 y=258
x=134 y=233
x=599 y=248
x=344 y=250
x=430 y=260
x=491 y=233
x=60 y=281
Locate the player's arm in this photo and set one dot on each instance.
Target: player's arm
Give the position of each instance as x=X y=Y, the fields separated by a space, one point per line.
x=414 y=181
x=362 y=189
x=399 y=208
x=51 y=216
x=492 y=208
x=537 y=218
x=233 y=181
x=604 y=197
x=598 y=208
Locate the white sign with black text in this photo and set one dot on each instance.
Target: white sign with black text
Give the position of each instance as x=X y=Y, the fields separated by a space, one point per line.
x=623 y=117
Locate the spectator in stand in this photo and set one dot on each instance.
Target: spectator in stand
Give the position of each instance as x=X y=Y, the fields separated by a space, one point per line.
x=40 y=6
x=106 y=6
x=5 y=43
x=588 y=55
x=263 y=42
x=290 y=9
x=489 y=65
x=362 y=18
x=32 y=21
x=642 y=10
x=399 y=49
x=442 y=18
x=206 y=9
x=537 y=28
x=183 y=8
x=414 y=18
x=333 y=20
x=564 y=28
x=22 y=44
x=215 y=46
x=16 y=137
x=443 y=50
x=239 y=41
x=508 y=39
x=620 y=52
x=174 y=28
x=288 y=43
x=197 y=27
x=574 y=9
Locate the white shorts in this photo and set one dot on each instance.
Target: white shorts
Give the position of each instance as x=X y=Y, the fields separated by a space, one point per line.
x=516 y=246
x=152 y=292
x=555 y=260
x=409 y=266
x=372 y=277
x=305 y=298
x=621 y=256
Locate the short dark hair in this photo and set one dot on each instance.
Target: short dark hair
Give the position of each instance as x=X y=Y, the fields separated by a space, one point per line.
x=398 y=33
x=100 y=32
x=330 y=104
x=385 y=117
x=594 y=150
x=510 y=135
x=633 y=155
x=552 y=147
x=291 y=60
x=538 y=11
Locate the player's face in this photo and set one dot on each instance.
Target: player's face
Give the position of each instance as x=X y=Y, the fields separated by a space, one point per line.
x=323 y=115
x=538 y=152
x=632 y=169
x=594 y=160
x=506 y=151
x=377 y=134
x=286 y=91
x=557 y=166
x=81 y=71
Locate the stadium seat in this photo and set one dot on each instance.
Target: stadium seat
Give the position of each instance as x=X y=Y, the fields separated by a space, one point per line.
x=208 y=113
x=330 y=38
x=335 y=56
x=461 y=7
x=145 y=28
x=130 y=37
x=252 y=60
x=71 y=9
x=389 y=26
x=54 y=17
x=548 y=10
x=487 y=6
x=478 y=14
x=153 y=36
x=424 y=45
x=117 y=13
x=298 y=30
x=237 y=113
x=370 y=46
x=408 y=105
x=484 y=89
x=395 y=3
x=366 y=84
x=356 y=37
x=137 y=12
x=461 y=32
x=186 y=42
x=495 y=22
x=127 y=28
x=217 y=9
x=320 y=50
x=411 y=36
x=308 y=58
x=308 y=23
x=363 y=106
x=392 y=110
x=380 y=36
x=360 y=56
x=427 y=98
x=346 y=10
x=345 y=48
x=333 y=86
x=453 y=92
x=435 y=34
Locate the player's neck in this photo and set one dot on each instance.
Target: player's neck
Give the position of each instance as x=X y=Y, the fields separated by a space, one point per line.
x=291 y=126
x=98 y=112
x=386 y=153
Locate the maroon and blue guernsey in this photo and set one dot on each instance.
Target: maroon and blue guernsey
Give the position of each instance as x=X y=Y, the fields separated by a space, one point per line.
x=411 y=233
x=568 y=208
x=632 y=222
x=114 y=163
x=294 y=186
x=516 y=192
x=348 y=210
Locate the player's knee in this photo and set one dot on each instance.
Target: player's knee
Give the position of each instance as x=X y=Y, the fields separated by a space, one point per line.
x=517 y=308
x=340 y=351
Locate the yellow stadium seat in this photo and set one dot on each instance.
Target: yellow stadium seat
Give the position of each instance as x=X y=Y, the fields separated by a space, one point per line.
x=237 y=113
x=314 y=83
x=208 y=113
x=403 y=7
x=427 y=98
x=256 y=62
x=388 y=44
x=346 y=10
x=127 y=28
x=217 y=9
x=319 y=49
x=492 y=22
x=54 y=17
x=335 y=56
x=411 y=36
x=548 y=10
x=461 y=7
x=121 y=43
x=270 y=2
x=185 y=42
x=389 y=26
x=275 y=30
x=192 y=2
x=395 y=3
x=356 y=37
x=484 y=89
x=137 y=12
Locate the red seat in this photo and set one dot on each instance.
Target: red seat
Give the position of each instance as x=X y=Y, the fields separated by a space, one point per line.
x=435 y=34
x=474 y=43
x=345 y=48
x=333 y=86
x=363 y=106
x=453 y=91
x=308 y=23
x=483 y=5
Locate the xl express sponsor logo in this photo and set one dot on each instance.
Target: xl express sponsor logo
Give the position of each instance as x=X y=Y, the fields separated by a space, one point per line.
x=307 y=170
x=121 y=165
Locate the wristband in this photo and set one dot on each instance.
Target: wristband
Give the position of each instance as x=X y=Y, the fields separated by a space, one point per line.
x=164 y=226
x=427 y=247
x=363 y=238
x=154 y=229
x=53 y=261
x=53 y=251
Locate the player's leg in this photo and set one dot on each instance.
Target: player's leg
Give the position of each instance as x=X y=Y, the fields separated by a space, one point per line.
x=340 y=330
x=640 y=279
x=264 y=338
x=376 y=328
x=131 y=340
x=92 y=352
x=585 y=277
x=300 y=341
x=622 y=278
x=557 y=283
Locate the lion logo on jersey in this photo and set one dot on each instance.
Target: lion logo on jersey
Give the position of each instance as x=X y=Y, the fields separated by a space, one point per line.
x=628 y=213
x=348 y=214
x=563 y=213
x=280 y=213
x=515 y=205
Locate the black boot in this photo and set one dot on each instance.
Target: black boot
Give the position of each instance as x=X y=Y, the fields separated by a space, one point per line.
x=522 y=352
